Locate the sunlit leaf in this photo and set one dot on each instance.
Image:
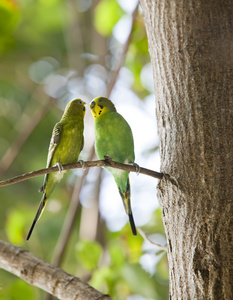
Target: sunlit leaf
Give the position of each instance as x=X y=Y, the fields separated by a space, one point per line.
x=9 y=15
x=107 y=13
x=15 y=226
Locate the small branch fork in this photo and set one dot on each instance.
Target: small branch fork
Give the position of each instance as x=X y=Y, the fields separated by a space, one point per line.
x=107 y=162
x=45 y=276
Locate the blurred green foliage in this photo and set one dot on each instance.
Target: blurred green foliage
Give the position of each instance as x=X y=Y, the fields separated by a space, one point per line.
x=46 y=48
x=9 y=13
x=107 y=13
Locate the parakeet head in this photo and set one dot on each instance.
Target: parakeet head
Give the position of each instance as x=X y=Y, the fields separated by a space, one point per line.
x=75 y=107
x=101 y=105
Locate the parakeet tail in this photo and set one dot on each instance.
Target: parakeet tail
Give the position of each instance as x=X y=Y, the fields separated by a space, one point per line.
x=131 y=220
x=126 y=201
x=38 y=214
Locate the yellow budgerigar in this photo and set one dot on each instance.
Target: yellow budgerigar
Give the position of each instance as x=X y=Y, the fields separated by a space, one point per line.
x=113 y=138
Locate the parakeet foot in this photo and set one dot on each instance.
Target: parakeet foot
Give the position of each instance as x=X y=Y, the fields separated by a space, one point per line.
x=107 y=157
x=82 y=163
x=137 y=168
x=60 y=167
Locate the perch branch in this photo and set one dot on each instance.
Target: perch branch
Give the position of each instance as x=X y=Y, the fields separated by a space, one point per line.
x=45 y=276
x=78 y=165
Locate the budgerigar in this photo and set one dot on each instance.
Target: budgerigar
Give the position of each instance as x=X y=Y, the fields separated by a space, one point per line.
x=65 y=145
x=113 y=137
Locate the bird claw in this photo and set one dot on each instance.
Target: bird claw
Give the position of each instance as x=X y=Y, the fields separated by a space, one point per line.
x=82 y=163
x=41 y=189
x=107 y=157
x=60 y=167
x=137 y=168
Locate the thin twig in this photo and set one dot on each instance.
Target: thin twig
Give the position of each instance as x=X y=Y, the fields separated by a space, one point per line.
x=45 y=276
x=15 y=148
x=78 y=165
x=114 y=74
x=145 y=237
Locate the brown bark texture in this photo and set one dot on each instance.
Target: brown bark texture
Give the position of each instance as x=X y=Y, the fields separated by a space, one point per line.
x=47 y=277
x=191 y=48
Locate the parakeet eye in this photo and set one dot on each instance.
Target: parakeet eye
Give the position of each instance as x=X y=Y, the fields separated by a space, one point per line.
x=80 y=102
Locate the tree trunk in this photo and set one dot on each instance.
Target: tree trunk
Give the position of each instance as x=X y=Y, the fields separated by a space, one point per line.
x=191 y=48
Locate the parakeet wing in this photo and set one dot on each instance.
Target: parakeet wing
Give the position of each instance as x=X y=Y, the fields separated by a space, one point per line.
x=81 y=148
x=52 y=146
x=54 y=142
x=114 y=138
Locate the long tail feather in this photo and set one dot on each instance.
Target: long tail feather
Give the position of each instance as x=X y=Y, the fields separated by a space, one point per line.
x=38 y=214
x=133 y=227
x=126 y=201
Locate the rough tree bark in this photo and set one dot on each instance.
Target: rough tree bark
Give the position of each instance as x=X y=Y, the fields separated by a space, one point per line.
x=45 y=276
x=191 y=48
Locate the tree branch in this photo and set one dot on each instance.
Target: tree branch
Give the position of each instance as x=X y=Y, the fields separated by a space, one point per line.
x=12 y=152
x=145 y=237
x=45 y=276
x=88 y=164
x=119 y=64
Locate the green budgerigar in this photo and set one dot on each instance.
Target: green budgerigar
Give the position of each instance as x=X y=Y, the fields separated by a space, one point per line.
x=65 y=145
x=113 y=138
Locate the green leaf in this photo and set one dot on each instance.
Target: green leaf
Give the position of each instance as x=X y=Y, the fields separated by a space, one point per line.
x=117 y=255
x=9 y=15
x=18 y=290
x=88 y=253
x=107 y=13
x=15 y=226
x=101 y=279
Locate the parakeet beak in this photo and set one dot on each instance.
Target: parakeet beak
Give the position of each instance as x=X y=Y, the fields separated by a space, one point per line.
x=92 y=106
x=84 y=108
